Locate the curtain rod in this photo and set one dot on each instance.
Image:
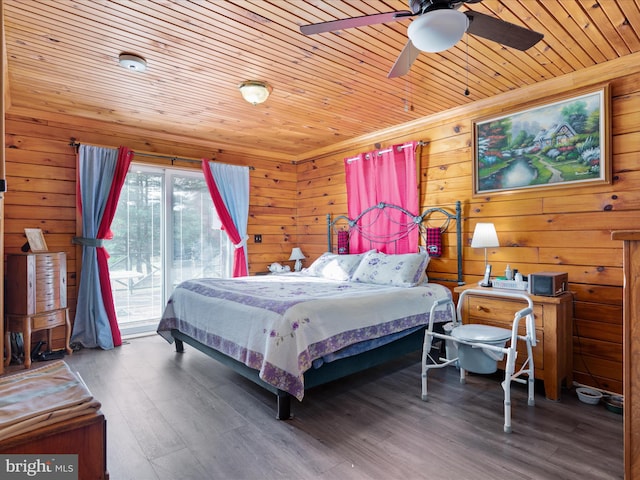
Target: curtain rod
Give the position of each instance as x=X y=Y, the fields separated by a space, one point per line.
x=173 y=158
x=400 y=147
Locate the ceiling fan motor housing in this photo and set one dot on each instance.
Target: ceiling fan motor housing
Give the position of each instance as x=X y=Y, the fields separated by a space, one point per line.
x=422 y=6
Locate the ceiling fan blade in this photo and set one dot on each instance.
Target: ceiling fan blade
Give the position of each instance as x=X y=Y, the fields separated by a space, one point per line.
x=404 y=61
x=353 y=22
x=505 y=33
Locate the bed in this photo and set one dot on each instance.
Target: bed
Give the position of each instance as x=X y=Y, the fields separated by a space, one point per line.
x=345 y=313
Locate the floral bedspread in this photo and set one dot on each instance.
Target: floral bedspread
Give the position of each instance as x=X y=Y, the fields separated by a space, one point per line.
x=279 y=324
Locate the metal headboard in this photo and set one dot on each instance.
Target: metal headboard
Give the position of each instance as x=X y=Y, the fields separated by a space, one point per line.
x=414 y=221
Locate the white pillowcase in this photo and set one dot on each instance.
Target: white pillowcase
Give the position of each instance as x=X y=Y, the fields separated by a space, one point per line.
x=403 y=270
x=334 y=267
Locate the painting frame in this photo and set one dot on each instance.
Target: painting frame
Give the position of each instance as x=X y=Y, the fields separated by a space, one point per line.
x=545 y=153
x=35 y=237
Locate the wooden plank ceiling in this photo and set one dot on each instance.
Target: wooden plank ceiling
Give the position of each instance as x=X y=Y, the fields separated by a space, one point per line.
x=63 y=58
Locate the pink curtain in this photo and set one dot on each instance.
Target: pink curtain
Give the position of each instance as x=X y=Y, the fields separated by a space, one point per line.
x=104 y=232
x=239 y=254
x=387 y=175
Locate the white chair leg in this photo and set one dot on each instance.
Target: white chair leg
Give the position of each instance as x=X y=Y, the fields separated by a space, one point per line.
x=531 y=380
x=506 y=386
x=426 y=348
x=510 y=367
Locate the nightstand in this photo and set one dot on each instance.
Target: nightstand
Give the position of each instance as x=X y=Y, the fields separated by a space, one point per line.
x=553 y=354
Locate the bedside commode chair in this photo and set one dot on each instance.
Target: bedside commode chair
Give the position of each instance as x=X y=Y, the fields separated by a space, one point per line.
x=477 y=348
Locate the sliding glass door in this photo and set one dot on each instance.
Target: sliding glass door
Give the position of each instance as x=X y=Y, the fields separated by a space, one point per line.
x=165 y=231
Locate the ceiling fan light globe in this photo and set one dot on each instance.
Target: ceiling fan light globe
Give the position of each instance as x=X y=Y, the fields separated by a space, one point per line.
x=438 y=30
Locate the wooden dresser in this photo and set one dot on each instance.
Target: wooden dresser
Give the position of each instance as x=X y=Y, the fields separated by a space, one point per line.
x=36 y=298
x=553 y=354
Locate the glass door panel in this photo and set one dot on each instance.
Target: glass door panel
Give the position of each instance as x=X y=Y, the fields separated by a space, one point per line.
x=160 y=207
x=199 y=248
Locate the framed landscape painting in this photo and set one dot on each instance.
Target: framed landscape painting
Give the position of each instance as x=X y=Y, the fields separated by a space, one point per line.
x=557 y=144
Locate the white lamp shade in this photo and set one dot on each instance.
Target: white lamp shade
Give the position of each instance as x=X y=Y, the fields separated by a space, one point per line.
x=485 y=236
x=438 y=30
x=255 y=92
x=296 y=254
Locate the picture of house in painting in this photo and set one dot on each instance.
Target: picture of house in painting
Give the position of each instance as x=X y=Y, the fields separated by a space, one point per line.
x=551 y=145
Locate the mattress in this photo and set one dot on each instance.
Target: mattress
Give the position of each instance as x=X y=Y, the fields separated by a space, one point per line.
x=281 y=324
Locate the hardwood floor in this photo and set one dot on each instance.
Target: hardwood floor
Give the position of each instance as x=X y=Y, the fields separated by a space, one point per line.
x=186 y=416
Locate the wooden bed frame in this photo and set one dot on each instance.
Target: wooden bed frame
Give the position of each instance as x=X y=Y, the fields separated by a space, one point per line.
x=331 y=371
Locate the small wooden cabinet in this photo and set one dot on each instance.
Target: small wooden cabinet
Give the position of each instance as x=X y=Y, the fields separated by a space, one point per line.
x=553 y=354
x=36 y=298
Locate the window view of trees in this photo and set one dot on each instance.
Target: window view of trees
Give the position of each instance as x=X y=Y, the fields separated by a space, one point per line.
x=165 y=231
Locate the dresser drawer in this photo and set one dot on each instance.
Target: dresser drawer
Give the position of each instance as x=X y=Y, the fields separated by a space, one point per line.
x=49 y=261
x=48 y=320
x=486 y=309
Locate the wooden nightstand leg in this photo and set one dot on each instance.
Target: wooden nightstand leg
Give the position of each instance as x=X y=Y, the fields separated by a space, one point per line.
x=551 y=389
x=26 y=340
x=67 y=335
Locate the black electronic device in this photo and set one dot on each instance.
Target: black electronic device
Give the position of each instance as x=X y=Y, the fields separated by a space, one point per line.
x=548 y=284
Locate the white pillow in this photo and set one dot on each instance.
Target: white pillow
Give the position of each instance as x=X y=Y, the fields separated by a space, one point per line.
x=334 y=267
x=404 y=270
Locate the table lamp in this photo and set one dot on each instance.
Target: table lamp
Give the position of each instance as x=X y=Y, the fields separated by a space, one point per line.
x=485 y=236
x=298 y=256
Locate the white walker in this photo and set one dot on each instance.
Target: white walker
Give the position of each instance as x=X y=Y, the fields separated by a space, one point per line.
x=477 y=348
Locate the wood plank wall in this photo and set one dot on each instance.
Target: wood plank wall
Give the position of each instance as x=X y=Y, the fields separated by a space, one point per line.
x=565 y=230
x=560 y=230
x=41 y=176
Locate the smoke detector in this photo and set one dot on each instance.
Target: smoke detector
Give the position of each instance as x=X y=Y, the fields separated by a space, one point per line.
x=132 y=62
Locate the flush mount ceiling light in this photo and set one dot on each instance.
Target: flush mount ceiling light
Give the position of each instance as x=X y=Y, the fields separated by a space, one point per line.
x=132 y=62
x=438 y=30
x=255 y=92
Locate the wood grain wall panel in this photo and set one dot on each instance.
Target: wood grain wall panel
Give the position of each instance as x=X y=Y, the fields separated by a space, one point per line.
x=597 y=372
x=598 y=348
x=39 y=199
x=599 y=312
x=621 y=200
x=565 y=229
x=562 y=255
x=49 y=212
x=26 y=184
x=17 y=226
x=598 y=327
x=601 y=294
x=41 y=173
x=558 y=229
x=278 y=205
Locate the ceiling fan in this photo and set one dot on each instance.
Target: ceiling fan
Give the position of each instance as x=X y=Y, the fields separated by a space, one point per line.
x=439 y=26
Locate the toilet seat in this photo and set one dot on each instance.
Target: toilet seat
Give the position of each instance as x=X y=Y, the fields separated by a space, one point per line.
x=481 y=333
